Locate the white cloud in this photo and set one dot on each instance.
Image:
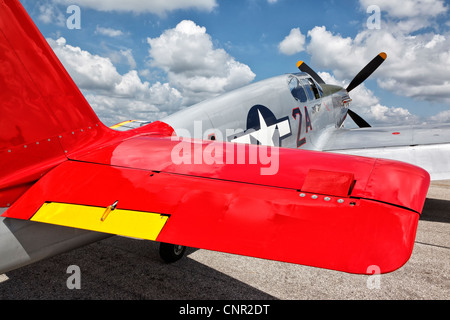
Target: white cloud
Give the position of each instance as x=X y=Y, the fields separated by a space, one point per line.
x=419 y=68
x=138 y=6
x=344 y=56
x=48 y=13
x=113 y=96
x=392 y=115
x=108 y=32
x=293 y=43
x=408 y=15
x=443 y=116
x=197 y=69
x=417 y=65
x=87 y=70
x=408 y=8
x=194 y=68
x=133 y=100
x=128 y=55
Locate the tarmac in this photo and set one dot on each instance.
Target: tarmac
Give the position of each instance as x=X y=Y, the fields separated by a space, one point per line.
x=130 y=269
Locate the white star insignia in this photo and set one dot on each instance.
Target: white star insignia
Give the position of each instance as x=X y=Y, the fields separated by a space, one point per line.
x=265 y=134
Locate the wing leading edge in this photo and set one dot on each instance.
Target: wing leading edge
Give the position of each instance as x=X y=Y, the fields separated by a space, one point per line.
x=367 y=215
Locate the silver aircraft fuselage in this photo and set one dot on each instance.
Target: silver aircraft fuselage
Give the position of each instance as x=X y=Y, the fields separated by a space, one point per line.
x=293 y=109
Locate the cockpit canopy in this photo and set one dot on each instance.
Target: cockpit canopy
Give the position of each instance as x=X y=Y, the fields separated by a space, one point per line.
x=303 y=88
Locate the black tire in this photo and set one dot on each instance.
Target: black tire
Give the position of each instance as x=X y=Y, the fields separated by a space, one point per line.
x=171 y=253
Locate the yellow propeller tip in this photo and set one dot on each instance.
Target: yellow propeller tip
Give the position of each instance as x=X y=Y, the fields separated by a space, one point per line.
x=299 y=64
x=383 y=55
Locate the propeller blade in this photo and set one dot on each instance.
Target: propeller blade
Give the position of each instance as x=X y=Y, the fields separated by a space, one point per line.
x=303 y=67
x=367 y=71
x=358 y=120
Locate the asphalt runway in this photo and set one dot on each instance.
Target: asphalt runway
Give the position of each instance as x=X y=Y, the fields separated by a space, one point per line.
x=123 y=268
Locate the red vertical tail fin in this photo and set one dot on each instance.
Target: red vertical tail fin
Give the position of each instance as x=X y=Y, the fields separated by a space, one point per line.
x=43 y=114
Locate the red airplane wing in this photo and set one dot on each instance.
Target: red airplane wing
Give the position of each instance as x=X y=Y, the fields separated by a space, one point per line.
x=295 y=215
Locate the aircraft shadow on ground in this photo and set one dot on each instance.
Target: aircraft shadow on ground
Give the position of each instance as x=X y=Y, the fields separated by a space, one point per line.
x=124 y=269
x=436 y=210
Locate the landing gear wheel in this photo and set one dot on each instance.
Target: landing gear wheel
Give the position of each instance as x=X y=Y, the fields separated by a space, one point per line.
x=171 y=252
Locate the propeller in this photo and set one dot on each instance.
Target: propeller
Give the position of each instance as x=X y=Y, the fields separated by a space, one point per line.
x=303 y=67
x=360 y=122
x=367 y=71
x=357 y=80
x=360 y=78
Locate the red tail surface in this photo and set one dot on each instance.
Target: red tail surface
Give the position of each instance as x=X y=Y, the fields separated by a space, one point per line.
x=43 y=113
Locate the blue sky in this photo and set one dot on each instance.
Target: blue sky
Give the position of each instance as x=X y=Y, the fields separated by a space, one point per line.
x=147 y=59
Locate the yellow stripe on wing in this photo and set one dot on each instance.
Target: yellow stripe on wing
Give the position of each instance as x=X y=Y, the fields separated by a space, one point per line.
x=136 y=224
